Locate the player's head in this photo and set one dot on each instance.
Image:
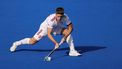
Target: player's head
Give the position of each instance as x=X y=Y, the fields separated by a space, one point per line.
x=60 y=11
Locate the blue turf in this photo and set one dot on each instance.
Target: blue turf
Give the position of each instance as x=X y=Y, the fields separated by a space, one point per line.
x=97 y=34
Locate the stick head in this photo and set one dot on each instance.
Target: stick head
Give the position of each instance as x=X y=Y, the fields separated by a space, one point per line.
x=47 y=58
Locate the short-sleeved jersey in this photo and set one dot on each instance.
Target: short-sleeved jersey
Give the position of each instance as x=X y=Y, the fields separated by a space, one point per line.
x=51 y=22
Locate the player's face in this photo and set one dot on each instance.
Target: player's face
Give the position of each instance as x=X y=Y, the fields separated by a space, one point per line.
x=58 y=17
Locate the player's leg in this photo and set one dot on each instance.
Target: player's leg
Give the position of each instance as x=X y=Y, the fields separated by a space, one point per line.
x=70 y=42
x=32 y=40
x=22 y=42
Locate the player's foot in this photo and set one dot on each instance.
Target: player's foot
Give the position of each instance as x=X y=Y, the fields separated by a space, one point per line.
x=74 y=53
x=13 y=47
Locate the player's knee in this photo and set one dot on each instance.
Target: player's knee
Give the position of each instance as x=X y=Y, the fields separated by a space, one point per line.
x=33 y=41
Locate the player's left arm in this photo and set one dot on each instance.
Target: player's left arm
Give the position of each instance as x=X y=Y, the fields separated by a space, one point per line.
x=69 y=30
x=69 y=26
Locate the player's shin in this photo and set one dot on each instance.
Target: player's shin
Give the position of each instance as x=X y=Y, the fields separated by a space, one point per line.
x=23 y=41
x=17 y=43
x=72 y=52
x=69 y=40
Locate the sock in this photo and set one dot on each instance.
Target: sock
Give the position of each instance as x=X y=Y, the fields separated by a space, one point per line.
x=69 y=40
x=23 y=41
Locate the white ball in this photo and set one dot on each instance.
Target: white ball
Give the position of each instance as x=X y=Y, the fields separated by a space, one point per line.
x=48 y=58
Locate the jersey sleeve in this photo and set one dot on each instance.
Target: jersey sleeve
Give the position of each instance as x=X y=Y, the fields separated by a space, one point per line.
x=50 y=25
x=49 y=22
x=67 y=20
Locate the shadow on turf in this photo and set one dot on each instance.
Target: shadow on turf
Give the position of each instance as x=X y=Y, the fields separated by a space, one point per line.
x=81 y=49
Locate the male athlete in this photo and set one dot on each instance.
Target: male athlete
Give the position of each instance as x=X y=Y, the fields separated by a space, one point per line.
x=54 y=23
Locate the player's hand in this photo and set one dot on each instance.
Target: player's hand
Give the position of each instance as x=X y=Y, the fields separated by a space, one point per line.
x=56 y=46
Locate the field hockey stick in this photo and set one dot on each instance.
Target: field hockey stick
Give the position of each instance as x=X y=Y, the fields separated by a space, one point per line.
x=53 y=50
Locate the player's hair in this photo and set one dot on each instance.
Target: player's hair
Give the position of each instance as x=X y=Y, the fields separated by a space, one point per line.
x=60 y=10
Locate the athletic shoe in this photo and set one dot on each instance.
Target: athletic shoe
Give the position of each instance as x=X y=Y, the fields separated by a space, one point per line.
x=74 y=53
x=13 y=47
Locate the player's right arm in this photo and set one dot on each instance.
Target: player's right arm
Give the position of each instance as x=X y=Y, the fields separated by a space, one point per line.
x=49 y=30
x=50 y=25
x=50 y=36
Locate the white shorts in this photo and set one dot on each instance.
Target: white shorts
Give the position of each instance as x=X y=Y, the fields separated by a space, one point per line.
x=43 y=32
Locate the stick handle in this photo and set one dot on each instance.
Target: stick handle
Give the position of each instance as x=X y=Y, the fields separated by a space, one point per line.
x=62 y=41
x=51 y=52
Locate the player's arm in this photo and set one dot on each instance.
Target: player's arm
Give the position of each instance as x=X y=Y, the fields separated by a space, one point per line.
x=68 y=30
x=49 y=30
x=50 y=35
x=69 y=26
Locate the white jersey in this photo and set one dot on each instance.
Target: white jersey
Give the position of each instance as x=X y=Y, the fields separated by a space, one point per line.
x=50 y=22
